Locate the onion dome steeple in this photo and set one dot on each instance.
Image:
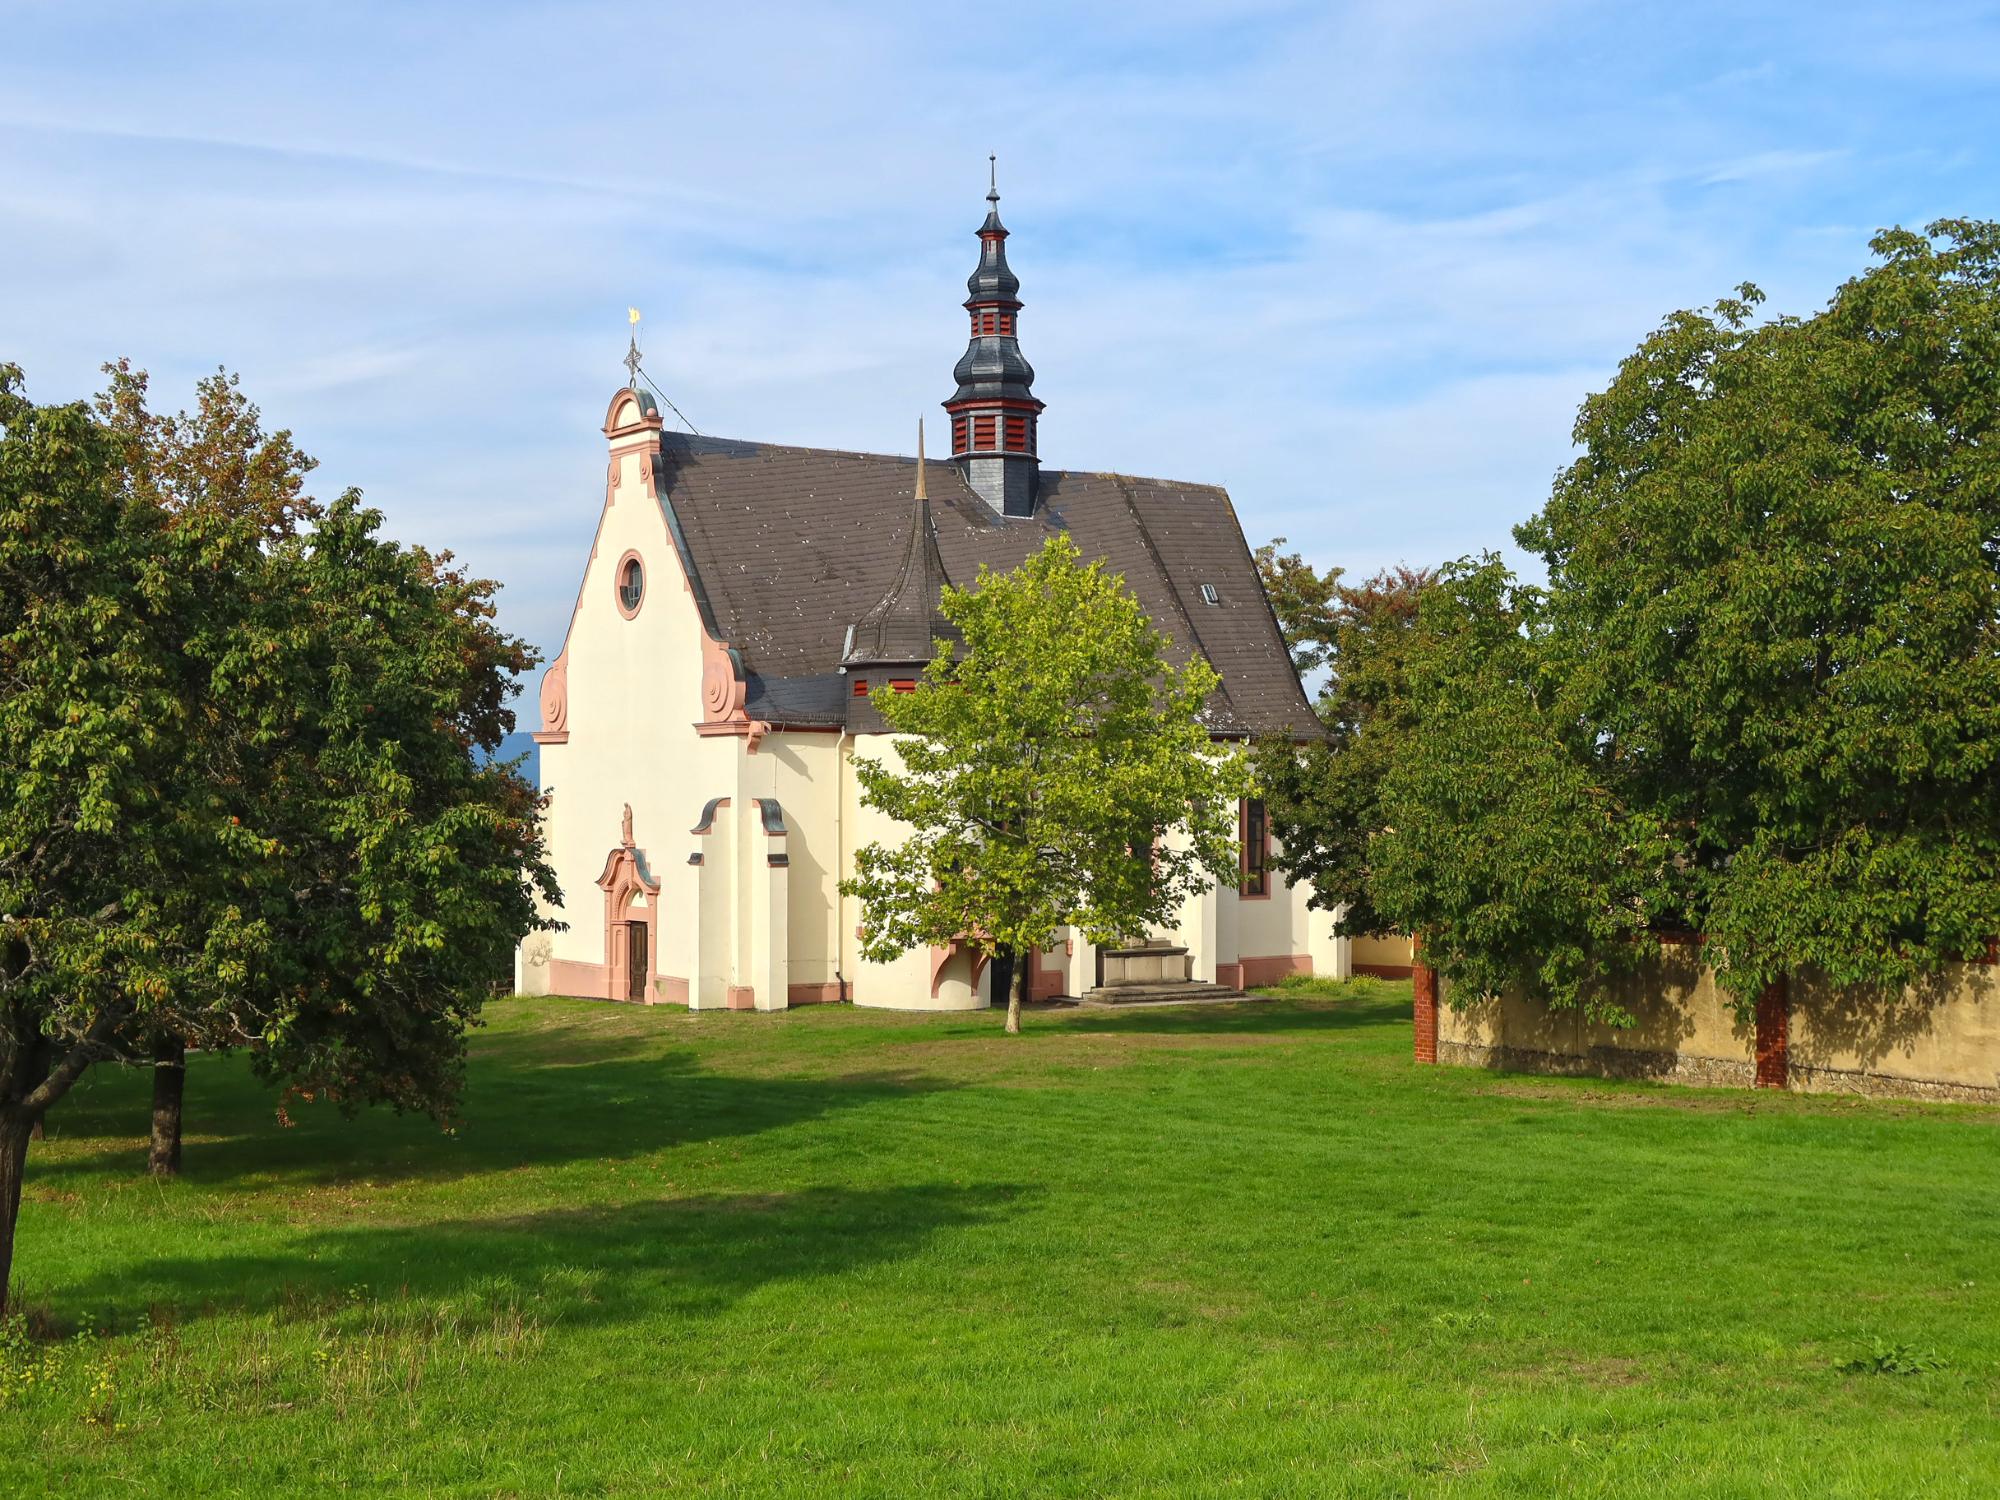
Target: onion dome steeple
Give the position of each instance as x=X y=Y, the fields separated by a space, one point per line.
x=994 y=410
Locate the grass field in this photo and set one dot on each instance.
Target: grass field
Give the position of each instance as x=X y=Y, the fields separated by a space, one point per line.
x=1228 y=1250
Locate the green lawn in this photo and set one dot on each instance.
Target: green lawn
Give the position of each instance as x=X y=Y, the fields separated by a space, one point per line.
x=1242 y=1249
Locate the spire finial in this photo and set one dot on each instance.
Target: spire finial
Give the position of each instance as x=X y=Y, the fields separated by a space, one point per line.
x=632 y=350
x=920 y=460
x=992 y=179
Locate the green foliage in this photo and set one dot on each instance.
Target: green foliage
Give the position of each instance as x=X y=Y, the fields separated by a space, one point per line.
x=1038 y=767
x=1305 y=601
x=1886 y=1358
x=1361 y=988
x=1760 y=695
x=1326 y=796
x=1499 y=844
x=238 y=799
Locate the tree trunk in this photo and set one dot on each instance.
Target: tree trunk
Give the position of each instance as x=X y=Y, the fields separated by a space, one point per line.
x=1016 y=993
x=169 y=1082
x=13 y=1166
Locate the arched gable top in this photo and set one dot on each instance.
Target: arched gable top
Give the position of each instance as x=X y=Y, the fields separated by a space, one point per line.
x=631 y=412
x=625 y=871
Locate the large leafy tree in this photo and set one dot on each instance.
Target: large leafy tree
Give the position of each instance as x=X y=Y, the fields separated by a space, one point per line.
x=1325 y=796
x=1765 y=671
x=238 y=802
x=1053 y=771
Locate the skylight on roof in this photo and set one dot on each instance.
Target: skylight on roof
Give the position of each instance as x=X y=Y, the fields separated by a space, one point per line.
x=1209 y=595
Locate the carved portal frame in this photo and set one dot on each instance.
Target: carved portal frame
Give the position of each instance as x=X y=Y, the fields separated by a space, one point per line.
x=625 y=879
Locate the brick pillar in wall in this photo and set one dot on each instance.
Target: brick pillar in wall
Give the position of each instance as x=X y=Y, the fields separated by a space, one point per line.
x=1424 y=988
x=1773 y=1028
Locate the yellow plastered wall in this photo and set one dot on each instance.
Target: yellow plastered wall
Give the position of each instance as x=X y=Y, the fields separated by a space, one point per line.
x=1944 y=1032
x=1382 y=952
x=1677 y=1008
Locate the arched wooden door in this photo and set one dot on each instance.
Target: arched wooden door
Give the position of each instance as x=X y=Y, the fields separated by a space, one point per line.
x=637 y=967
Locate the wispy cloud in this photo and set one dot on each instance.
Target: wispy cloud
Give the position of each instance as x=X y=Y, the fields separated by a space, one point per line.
x=1769 y=164
x=1360 y=262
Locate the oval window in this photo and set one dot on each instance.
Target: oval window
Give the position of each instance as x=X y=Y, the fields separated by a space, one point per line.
x=631 y=585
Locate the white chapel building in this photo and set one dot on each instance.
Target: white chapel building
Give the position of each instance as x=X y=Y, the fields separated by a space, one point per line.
x=742 y=605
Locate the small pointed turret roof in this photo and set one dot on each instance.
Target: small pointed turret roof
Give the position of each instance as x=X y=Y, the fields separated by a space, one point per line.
x=901 y=627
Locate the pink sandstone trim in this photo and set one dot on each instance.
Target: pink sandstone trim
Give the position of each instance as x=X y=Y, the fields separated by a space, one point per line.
x=653 y=423
x=623 y=879
x=568 y=976
x=555 y=700
x=1269 y=970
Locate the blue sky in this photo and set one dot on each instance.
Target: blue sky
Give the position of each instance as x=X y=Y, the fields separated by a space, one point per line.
x=1357 y=262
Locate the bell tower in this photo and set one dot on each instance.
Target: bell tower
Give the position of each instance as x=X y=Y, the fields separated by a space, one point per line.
x=994 y=411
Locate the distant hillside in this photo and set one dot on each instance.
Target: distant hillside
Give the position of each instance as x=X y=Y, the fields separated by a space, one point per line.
x=521 y=742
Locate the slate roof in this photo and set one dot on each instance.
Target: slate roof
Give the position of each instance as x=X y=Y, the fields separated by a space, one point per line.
x=904 y=625
x=790 y=546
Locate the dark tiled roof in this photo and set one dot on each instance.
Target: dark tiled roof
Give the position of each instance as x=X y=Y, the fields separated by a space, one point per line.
x=792 y=545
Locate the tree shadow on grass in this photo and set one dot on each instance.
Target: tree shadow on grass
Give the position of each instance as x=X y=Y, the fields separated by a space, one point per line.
x=1250 y=1019
x=519 y=1111
x=602 y=1263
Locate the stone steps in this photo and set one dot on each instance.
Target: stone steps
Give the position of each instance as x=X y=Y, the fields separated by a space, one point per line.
x=1167 y=992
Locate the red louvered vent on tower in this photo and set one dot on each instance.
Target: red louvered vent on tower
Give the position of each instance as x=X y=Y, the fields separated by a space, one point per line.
x=1017 y=434
x=982 y=433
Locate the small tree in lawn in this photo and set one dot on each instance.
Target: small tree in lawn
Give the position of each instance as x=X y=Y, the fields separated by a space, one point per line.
x=1054 y=772
x=237 y=800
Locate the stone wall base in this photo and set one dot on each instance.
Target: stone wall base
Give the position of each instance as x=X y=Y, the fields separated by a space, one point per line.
x=1804 y=1079
x=1602 y=1062
x=1701 y=1072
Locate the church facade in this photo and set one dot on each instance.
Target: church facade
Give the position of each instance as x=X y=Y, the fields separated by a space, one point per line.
x=743 y=604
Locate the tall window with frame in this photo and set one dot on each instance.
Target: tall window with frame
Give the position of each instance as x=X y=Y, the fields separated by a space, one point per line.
x=1256 y=832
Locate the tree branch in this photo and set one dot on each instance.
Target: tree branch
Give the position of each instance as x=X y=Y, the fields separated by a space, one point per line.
x=93 y=1047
